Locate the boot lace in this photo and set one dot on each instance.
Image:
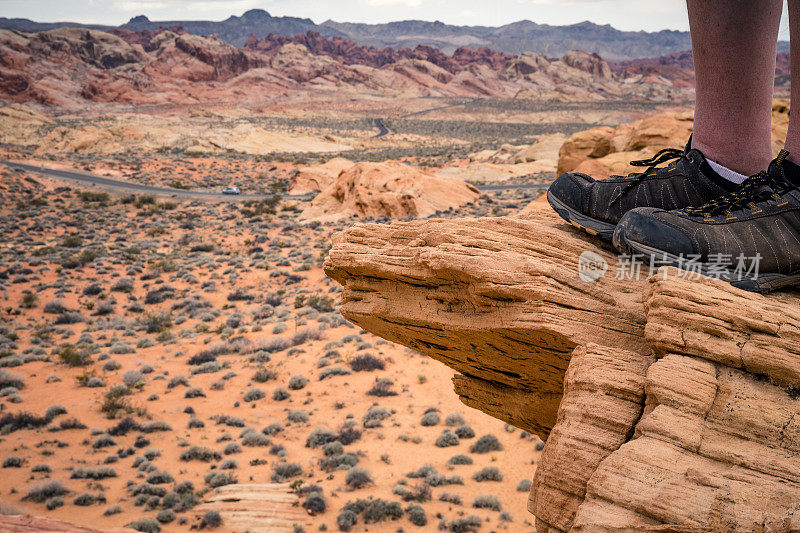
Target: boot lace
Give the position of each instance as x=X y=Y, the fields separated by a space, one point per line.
x=633 y=179
x=766 y=185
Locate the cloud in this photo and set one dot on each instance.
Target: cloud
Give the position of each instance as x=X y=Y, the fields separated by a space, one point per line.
x=146 y=6
x=388 y=3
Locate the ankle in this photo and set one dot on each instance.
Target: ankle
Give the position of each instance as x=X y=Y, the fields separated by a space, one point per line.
x=738 y=161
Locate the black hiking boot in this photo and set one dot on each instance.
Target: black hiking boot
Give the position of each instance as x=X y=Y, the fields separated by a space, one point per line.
x=750 y=237
x=596 y=206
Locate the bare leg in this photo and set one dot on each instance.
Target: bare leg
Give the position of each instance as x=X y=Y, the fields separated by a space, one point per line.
x=734 y=43
x=793 y=135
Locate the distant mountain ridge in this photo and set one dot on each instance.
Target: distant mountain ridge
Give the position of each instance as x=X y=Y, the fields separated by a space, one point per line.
x=514 y=38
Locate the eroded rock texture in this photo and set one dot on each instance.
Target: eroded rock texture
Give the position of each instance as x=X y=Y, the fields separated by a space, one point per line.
x=668 y=404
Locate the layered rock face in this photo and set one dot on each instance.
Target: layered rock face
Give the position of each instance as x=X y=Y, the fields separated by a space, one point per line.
x=667 y=403
x=70 y=66
x=603 y=151
x=388 y=189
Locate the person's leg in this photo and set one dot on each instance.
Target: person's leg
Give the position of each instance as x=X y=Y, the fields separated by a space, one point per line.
x=734 y=43
x=793 y=135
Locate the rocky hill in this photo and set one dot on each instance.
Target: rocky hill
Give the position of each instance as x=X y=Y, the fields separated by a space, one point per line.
x=514 y=38
x=70 y=66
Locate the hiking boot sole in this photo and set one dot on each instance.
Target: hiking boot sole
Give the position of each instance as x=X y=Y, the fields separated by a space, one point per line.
x=764 y=283
x=590 y=225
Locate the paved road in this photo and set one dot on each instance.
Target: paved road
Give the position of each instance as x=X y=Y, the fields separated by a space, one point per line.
x=129 y=186
x=381 y=126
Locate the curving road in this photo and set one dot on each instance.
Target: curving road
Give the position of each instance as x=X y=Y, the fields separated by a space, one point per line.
x=132 y=187
x=129 y=186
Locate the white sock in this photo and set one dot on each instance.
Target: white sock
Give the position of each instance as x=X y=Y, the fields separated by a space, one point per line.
x=725 y=172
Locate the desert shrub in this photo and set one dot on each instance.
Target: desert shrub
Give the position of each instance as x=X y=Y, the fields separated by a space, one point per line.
x=283 y=471
x=11 y=422
x=490 y=473
x=464 y=432
x=524 y=485
x=230 y=421
x=254 y=394
x=262 y=375
x=374 y=416
x=131 y=378
x=254 y=438
x=366 y=363
x=206 y=368
x=104 y=441
x=485 y=444
x=332 y=371
x=315 y=503
x=357 y=477
x=430 y=418
x=111 y=365
x=114 y=509
x=13 y=461
x=54 y=411
x=84 y=500
x=332 y=448
x=273 y=429
x=72 y=357
x=297 y=382
x=94 y=383
x=465 y=524
x=151 y=453
x=199 y=453
x=320 y=437
x=69 y=423
x=155 y=425
x=340 y=461
x=378 y=510
x=416 y=514
x=211 y=520
x=487 y=502
x=165 y=516
x=194 y=392
x=146 y=525
x=54 y=503
x=418 y=493
x=148 y=489
x=382 y=388
x=280 y=394
x=56 y=307
x=450 y=497
x=447 y=438
x=231 y=448
x=220 y=479
x=120 y=348
x=460 y=460
x=298 y=417
x=93 y=473
x=160 y=478
x=346 y=520
x=229 y=464
x=9 y=379
x=305 y=335
x=177 y=380
x=124 y=426
x=42 y=468
x=45 y=490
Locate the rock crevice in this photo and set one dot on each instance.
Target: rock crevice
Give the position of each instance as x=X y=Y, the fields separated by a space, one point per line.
x=667 y=404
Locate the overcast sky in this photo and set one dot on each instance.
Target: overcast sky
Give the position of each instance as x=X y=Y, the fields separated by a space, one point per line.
x=622 y=14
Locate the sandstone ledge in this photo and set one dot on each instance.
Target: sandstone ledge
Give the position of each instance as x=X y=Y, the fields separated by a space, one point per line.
x=667 y=404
